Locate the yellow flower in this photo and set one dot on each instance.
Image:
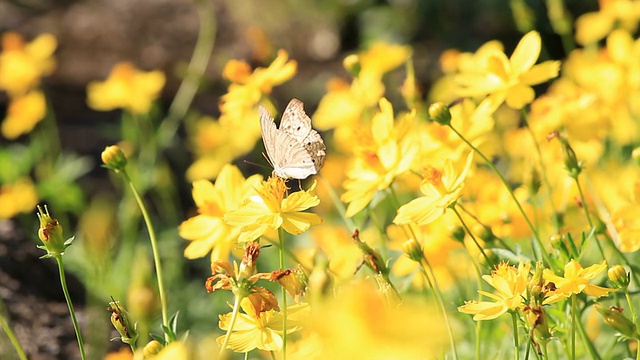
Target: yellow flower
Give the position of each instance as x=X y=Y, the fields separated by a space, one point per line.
x=22 y=65
x=511 y=287
x=24 y=112
x=127 y=88
x=593 y=26
x=207 y=231
x=385 y=153
x=440 y=189
x=261 y=330
x=575 y=280
x=17 y=197
x=176 y=350
x=272 y=210
x=509 y=79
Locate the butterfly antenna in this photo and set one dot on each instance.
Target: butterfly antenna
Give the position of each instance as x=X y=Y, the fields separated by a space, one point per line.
x=256 y=164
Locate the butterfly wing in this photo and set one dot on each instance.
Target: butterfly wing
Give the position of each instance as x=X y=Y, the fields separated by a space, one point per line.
x=288 y=156
x=295 y=121
x=314 y=145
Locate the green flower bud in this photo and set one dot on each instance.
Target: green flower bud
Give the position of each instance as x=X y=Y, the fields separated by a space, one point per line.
x=613 y=317
x=413 y=250
x=352 y=64
x=619 y=276
x=113 y=158
x=122 y=323
x=50 y=233
x=439 y=112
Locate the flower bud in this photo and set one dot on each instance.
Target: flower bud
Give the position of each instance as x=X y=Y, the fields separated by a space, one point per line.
x=352 y=64
x=458 y=234
x=439 y=112
x=122 y=323
x=50 y=233
x=113 y=158
x=152 y=348
x=249 y=259
x=413 y=250
x=571 y=163
x=613 y=317
x=619 y=276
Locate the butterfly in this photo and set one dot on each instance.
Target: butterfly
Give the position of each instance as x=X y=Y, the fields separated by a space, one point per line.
x=295 y=150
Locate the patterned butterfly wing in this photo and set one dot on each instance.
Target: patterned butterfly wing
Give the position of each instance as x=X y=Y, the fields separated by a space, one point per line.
x=295 y=121
x=289 y=157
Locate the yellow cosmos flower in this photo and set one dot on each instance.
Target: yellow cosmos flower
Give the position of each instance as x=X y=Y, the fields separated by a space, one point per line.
x=509 y=79
x=575 y=280
x=24 y=112
x=23 y=65
x=272 y=210
x=207 y=231
x=18 y=197
x=385 y=153
x=440 y=189
x=261 y=330
x=127 y=88
x=511 y=287
x=343 y=105
x=176 y=350
x=594 y=26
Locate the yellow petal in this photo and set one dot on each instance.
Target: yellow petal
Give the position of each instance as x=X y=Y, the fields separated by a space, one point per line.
x=519 y=96
x=526 y=53
x=541 y=73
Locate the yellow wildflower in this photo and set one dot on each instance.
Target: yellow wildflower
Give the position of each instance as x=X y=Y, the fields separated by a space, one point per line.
x=127 y=88
x=594 y=26
x=440 y=190
x=272 y=210
x=385 y=153
x=23 y=65
x=511 y=287
x=509 y=79
x=260 y=330
x=17 y=197
x=207 y=231
x=575 y=280
x=176 y=350
x=24 y=112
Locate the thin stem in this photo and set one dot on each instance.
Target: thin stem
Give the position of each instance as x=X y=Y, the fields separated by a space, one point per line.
x=516 y=340
x=586 y=214
x=154 y=249
x=634 y=318
x=284 y=295
x=466 y=228
x=545 y=256
x=232 y=322
x=197 y=66
x=12 y=337
x=573 y=326
x=76 y=328
x=487 y=228
x=586 y=341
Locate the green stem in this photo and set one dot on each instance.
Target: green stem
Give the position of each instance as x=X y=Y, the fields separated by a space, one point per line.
x=486 y=227
x=284 y=295
x=586 y=341
x=586 y=214
x=76 y=328
x=12 y=337
x=573 y=326
x=466 y=228
x=516 y=340
x=545 y=256
x=634 y=318
x=154 y=249
x=195 y=71
x=232 y=322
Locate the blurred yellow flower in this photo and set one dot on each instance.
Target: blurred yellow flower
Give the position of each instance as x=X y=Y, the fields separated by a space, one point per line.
x=342 y=106
x=176 y=350
x=127 y=88
x=361 y=325
x=17 y=197
x=261 y=330
x=24 y=112
x=594 y=26
x=575 y=280
x=22 y=65
x=510 y=284
x=381 y=155
x=440 y=189
x=509 y=79
x=207 y=231
x=217 y=142
x=272 y=210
